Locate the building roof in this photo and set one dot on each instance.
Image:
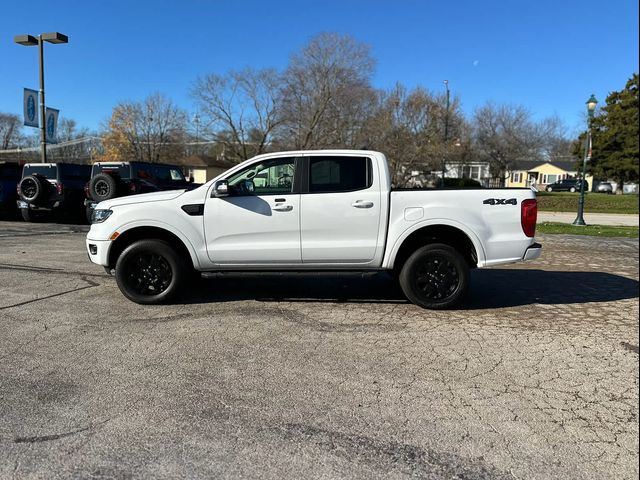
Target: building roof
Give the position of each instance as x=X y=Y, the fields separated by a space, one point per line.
x=204 y=161
x=527 y=165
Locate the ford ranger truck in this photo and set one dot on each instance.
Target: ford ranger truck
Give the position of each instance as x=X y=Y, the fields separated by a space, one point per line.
x=326 y=210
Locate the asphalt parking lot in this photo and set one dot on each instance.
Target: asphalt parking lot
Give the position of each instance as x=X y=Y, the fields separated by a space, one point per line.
x=331 y=377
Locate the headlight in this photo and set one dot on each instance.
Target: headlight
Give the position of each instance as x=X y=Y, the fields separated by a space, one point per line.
x=99 y=216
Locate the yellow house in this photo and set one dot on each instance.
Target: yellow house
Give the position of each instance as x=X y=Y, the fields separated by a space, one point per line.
x=540 y=174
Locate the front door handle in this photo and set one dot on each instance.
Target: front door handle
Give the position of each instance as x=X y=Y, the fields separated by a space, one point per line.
x=362 y=204
x=283 y=208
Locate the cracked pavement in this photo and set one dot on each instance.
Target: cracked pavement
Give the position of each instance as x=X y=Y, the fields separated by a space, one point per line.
x=289 y=376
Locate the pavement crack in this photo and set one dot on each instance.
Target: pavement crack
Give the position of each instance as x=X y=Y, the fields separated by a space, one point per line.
x=26 y=302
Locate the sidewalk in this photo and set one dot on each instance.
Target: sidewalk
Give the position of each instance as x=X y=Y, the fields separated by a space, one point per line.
x=614 y=219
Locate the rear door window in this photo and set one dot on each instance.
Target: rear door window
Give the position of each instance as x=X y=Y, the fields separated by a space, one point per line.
x=339 y=174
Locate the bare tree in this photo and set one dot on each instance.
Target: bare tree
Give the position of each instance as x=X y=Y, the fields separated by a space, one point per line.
x=408 y=126
x=152 y=130
x=75 y=143
x=504 y=134
x=10 y=130
x=239 y=110
x=327 y=93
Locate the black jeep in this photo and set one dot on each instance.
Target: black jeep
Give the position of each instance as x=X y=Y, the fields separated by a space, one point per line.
x=116 y=179
x=9 y=178
x=47 y=188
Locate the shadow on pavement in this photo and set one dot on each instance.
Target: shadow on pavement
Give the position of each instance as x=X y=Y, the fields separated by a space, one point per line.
x=490 y=288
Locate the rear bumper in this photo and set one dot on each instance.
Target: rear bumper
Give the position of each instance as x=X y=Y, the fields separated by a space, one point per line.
x=533 y=252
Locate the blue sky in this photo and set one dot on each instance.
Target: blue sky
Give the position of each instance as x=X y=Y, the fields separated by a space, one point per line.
x=546 y=55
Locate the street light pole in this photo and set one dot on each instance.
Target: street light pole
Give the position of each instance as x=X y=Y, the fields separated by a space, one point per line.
x=30 y=41
x=43 y=122
x=591 y=106
x=446 y=132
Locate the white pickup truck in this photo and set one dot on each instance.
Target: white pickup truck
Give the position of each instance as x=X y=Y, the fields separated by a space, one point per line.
x=312 y=211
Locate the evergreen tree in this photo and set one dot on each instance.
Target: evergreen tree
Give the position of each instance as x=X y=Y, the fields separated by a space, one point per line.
x=615 y=137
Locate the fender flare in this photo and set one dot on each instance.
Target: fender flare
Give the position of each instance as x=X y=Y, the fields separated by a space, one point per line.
x=162 y=226
x=390 y=257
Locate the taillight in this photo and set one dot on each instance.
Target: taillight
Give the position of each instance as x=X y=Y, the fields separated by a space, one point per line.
x=529 y=216
x=59 y=188
x=132 y=187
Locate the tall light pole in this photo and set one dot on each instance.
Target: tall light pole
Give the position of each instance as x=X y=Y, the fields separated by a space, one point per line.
x=591 y=107
x=446 y=132
x=30 y=41
x=196 y=122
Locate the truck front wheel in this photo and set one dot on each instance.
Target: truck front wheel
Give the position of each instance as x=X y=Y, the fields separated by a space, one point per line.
x=435 y=276
x=150 y=272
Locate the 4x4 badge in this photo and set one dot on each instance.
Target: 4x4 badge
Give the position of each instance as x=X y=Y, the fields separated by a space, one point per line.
x=500 y=201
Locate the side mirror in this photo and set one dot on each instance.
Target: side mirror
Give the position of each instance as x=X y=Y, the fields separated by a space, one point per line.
x=221 y=189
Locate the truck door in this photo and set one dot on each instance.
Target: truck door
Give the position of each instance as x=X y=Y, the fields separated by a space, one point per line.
x=259 y=222
x=340 y=210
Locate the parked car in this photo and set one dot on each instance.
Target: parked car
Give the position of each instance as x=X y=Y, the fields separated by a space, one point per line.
x=312 y=210
x=48 y=188
x=604 y=187
x=9 y=178
x=567 y=185
x=117 y=179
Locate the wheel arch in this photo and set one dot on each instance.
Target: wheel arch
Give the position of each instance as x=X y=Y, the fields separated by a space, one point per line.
x=134 y=234
x=455 y=236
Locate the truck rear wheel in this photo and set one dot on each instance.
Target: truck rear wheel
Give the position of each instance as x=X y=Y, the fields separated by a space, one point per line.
x=150 y=272
x=435 y=276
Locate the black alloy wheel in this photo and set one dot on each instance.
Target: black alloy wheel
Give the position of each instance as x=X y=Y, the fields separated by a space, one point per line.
x=435 y=276
x=32 y=188
x=150 y=272
x=102 y=188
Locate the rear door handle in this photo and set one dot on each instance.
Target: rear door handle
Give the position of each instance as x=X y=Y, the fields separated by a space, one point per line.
x=362 y=204
x=283 y=208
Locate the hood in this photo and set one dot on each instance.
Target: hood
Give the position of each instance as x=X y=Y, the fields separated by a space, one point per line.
x=140 y=198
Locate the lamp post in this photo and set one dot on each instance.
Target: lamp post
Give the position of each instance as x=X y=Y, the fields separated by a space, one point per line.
x=446 y=132
x=591 y=107
x=196 y=122
x=30 y=41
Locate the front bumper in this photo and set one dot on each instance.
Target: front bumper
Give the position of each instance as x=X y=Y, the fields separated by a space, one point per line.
x=533 y=252
x=98 y=251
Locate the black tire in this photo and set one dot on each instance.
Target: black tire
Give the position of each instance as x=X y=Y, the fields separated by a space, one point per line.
x=31 y=216
x=150 y=272
x=435 y=276
x=572 y=189
x=103 y=187
x=32 y=188
x=549 y=189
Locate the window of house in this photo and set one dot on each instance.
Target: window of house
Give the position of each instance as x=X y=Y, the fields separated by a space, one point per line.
x=339 y=174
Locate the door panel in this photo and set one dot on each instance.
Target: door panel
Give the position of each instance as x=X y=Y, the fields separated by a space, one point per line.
x=340 y=226
x=259 y=222
x=253 y=229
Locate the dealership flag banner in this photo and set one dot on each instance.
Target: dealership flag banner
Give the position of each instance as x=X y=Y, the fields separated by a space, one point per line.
x=30 y=107
x=51 y=125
